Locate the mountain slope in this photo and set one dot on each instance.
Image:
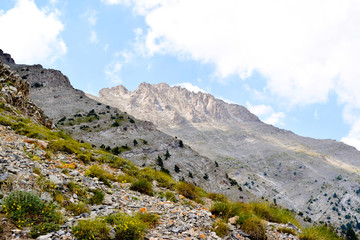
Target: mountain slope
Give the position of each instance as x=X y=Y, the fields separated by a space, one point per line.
x=101 y=125
x=320 y=178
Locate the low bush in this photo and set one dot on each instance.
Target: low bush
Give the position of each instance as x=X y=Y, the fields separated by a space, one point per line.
x=273 y=213
x=221 y=228
x=170 y=196
x=77 y=208
x=142 y=186
x=188 y=190
x=101 y=174
x=77 y=189
x=97 y=198
x=43 y=228
x=91 y=229
x=287 y=230
x=255 y=228
x=27 y=209
x=217 y=197
x=163 y=179
x=151 y=220
x=127 y=227
x=227 y=209
x=319 y=233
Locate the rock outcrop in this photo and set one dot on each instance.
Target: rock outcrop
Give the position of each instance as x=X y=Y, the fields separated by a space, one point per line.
x=14 y=93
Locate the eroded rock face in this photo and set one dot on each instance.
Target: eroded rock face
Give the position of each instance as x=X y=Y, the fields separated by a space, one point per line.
x=301 y=173
x=170 y=106
x=14 y=92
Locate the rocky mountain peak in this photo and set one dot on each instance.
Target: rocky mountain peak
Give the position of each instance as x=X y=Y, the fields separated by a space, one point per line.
x=167 y=105
x=6 y=58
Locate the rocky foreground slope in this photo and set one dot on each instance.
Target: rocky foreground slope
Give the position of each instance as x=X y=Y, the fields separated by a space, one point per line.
x=319 y=178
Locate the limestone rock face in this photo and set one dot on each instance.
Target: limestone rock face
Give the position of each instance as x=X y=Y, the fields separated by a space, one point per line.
x=300 y=173
x=14 y=92
x=170 y=106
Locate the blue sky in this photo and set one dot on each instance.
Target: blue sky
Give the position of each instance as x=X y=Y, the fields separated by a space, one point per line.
x=293 y=63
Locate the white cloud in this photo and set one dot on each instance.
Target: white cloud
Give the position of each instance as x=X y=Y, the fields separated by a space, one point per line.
x=305 y=49
x=113 y=69
x=267 y=114
x=113 y=2
x=32 y=34
x=93 y=37
x=190 y=87
x=91 y=16
x=112 y=72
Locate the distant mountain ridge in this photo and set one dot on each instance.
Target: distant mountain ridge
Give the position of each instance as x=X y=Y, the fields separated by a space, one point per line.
x=298 y=172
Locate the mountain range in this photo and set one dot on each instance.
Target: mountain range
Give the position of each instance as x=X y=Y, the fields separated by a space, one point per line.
x=200 y=139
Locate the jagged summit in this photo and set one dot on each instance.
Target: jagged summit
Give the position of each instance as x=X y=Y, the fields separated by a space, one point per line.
x=6 y=58
x=176 y=105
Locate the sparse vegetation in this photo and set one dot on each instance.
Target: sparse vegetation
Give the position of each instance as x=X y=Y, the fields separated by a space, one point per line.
x=221 y=228
x=142 y=186
x=27 y=209
x=319 y=233
x=91 y=229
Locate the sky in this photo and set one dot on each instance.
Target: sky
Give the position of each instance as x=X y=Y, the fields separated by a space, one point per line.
x=295 y=64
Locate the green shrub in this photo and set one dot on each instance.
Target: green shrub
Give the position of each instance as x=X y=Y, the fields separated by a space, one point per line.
x=97 y=198
x=77 y=189
x=127 y=227
x=254 y=228
x=43 y=228
x=142 y=186
x=287 y=230
x=77 y=208
x=319 y=233
x=221 y=228
x=91 y=229
x=273 y=213
x=125 y=178
x=101 y=174
x=151 y=220
x=163 y=179
x=27 y=209
x=217 y=197
x=188 y=190
x=226 y=209
x=170 y=196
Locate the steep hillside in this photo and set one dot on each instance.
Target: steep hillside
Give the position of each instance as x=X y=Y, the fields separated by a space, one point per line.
x=54 y=187
x=319 y=178
x=117 y=132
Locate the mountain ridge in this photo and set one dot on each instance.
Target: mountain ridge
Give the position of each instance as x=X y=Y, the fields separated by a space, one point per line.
x=268 y=161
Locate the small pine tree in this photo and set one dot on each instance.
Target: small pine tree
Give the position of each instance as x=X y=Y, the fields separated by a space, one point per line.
x=181 y=144
x=191 y=175
x=216 y=164
x=135 y=142
x=167 y=155
x=206 y=176
x=159 y=161
x=350 y=234
x=177 y=169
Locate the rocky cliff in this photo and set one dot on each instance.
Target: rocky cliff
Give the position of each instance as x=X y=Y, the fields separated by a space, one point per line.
x=319 y=178
x=14 y=95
